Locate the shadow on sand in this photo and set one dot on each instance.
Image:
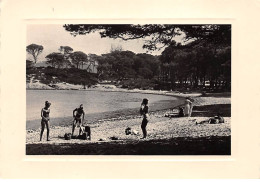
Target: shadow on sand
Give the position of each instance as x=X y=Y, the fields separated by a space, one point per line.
x=175 y=146
x=212 y=110
x=219 y=95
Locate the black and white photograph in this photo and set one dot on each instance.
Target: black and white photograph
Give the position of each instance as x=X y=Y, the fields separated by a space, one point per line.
x=94 y=89
x=128 y=89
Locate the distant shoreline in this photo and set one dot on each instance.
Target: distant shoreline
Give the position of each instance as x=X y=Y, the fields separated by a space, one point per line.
x=113 y=88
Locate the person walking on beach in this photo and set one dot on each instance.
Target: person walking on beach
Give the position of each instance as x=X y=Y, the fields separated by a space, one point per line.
x=45 y=115
x=144 y=113
x=78 y=115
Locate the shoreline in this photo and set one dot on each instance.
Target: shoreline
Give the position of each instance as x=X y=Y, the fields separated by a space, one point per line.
x=113 y=88
x=113 y=115
x=32 y=125
x=91 y=118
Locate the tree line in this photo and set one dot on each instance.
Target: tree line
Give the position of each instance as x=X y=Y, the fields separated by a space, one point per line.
x=203 y=56
x=178 y=66
x=65 y=58
x=63 y=66
x=195 y=63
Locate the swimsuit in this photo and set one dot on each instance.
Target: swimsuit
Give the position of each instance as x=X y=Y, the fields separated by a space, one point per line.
x=144 y=111
x=46 y=113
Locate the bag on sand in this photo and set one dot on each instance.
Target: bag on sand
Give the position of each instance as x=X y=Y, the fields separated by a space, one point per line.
x=86 y=133
x=181 y=112
x=67 y=136
x=128 y=131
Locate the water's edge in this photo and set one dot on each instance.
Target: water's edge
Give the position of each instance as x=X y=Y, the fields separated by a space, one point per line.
x=99 y=117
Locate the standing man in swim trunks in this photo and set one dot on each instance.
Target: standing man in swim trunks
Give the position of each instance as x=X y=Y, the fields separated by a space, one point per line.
x=45 y=115
x=78 y=115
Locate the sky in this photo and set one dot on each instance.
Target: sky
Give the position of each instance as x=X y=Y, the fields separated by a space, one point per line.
x=51 y=37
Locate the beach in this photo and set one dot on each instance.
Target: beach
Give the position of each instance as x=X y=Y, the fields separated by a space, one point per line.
x=171 y=133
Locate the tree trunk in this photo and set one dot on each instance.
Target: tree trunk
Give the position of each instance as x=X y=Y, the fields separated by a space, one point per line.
x=35 y=59
x=195 y=82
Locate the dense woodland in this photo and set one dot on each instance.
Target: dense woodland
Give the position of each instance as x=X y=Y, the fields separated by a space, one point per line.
x=202 y=61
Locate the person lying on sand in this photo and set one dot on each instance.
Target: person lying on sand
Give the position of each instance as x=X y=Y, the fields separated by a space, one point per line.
x=144 y=113
x=45 y=115
x=213 y=120
x=78 y=115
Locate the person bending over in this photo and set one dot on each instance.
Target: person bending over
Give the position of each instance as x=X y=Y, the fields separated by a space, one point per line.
x=78 y=115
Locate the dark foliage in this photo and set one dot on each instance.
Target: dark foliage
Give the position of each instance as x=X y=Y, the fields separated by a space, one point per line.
x=51 y=75
x=140 y=83
x=203 y=56
x=202 y=61
x=126 y=66
x=161 y=34
x=34 y=50
x=193 y=64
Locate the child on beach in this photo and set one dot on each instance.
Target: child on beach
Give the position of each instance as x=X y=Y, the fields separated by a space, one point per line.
x=144 y=113
x=78 y=117
x=45 y=115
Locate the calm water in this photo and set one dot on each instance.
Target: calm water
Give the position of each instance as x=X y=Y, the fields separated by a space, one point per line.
x=65 y=101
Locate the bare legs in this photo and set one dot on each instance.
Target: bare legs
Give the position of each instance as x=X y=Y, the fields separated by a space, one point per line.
x=80 y=126
x=48 y=130
x=191 y=107
x=43 y=123
x=74 y=125
x=42 y=130
x=143 y=126
x=188 y=110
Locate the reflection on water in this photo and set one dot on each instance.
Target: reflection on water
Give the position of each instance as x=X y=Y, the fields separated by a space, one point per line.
x=65 y=101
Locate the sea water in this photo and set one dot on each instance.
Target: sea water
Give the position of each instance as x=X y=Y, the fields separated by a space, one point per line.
x=63 y=102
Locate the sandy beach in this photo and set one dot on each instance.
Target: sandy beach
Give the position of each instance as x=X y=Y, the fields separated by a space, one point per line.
x=161 y=130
